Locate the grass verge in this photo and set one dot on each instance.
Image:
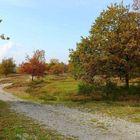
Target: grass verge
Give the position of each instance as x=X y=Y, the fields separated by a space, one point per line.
x=125 y=110
x=17 y=127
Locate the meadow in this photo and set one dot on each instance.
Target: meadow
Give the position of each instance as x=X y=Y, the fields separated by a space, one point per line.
x=54 y=89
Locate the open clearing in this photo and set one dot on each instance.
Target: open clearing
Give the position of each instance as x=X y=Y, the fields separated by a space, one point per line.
x=72 y=122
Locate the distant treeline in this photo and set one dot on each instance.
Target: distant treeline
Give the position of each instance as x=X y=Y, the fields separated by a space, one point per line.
x=35 y=66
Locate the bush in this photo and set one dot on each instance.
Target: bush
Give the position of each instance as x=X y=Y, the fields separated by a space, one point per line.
x=114 y=92
x=111 y=90
x=84 y=88
x=134 y=90
x=37 y=82
x=35 y=85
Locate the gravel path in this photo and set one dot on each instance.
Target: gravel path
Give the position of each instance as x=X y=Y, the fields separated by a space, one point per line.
x=72 y=122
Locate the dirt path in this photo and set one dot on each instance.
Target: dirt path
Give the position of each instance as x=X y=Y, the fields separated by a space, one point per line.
x=72 y=122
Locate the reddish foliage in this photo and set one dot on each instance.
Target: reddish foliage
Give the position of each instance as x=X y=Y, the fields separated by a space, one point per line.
x=35 y=66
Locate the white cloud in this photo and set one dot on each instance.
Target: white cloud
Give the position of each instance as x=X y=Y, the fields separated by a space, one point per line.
x=5 y=48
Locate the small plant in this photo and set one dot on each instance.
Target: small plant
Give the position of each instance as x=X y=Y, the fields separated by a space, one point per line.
x=84 y=88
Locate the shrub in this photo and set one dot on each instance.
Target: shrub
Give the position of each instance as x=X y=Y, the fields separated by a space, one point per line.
x=111 y=90
x=35 y=85
x=37 y=82
x=84 y=88
x=134 y=90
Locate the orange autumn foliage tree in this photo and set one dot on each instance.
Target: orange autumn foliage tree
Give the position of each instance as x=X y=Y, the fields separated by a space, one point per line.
x=35 y=65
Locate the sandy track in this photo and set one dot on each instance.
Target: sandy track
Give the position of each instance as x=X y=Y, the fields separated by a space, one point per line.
x=72 y=122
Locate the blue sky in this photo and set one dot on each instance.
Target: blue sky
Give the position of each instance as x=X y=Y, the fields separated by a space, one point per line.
x=51 y=25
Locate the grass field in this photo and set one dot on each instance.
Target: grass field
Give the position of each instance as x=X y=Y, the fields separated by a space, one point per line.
x=64 y=90
x=17 y=127
x=49 y=89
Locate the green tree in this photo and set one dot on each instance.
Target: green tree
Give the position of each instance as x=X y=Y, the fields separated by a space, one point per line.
x=54 y=61
x=7 y=66
x=112 y=48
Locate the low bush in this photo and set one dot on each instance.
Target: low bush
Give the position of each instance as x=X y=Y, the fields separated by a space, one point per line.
x=36 y=82
x=35 y=85
x=84 y=88
x=111 y=90
x=134 y=90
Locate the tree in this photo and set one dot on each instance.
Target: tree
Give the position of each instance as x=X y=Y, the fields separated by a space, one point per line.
x=57 y=69
x=3 y=37
x=35 y=65
x=53 y=62
x=7 y=66
x=113 y=47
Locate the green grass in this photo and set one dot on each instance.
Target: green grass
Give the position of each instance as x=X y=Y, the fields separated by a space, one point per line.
x=64 y=90
x=50 y=89
x=17 y=127
x=129 y=111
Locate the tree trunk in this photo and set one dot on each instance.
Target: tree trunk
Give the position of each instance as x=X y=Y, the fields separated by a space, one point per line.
x=127 y=80
x=32 y=78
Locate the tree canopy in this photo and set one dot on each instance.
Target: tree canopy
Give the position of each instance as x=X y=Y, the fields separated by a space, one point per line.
x=112 y=48
x=7 y=66
x=35 y=65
